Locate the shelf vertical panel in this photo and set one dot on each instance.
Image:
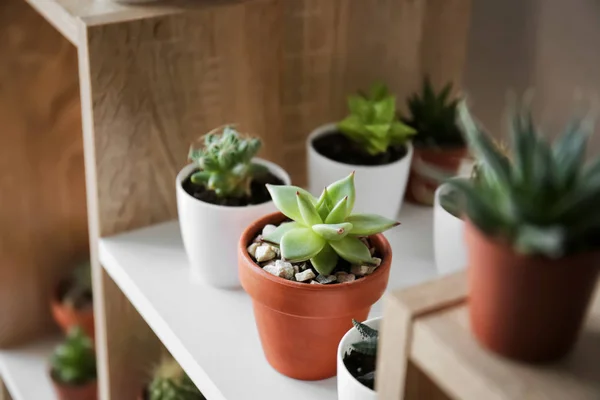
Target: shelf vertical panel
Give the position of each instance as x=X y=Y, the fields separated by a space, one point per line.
x=151 y=88
x=43 y=217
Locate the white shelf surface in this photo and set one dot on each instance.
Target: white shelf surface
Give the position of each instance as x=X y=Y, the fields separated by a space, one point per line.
x=211 y=332
x=24 y=370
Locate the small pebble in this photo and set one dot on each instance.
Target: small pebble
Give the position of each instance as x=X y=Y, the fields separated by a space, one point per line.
x=268 y=229
x=302 y=266
x=376 y=261
x=258 y=239
x=304 y=276
x=365 y=241
x=265 y=252
x=296 y=269
x=281 y=269
x=326 y=279
x=252 y=249
x=314 y=283
x=362 y=270
x=345 y=277
x=372 y=251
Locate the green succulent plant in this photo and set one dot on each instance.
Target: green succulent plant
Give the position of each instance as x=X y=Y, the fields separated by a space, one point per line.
x=433 y=116
x=73 y=361
x=324 y=229
x=370 y=339
x=79 y=291
x=544 y=198
x=170 y=382
x=373 y=123
x=225 y=163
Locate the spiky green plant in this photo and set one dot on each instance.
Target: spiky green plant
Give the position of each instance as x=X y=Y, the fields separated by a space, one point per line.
x=543 y=199
x=225 y=162
x=80 y=286
x=433 y=116
x=324 y=229
x=170 y=382
x=373 y=123
x=73 y=361
x=370 y=339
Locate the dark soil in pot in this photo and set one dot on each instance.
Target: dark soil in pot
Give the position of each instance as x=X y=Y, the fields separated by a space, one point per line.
x=337 y=147
x=258 y=191
x=362 y=367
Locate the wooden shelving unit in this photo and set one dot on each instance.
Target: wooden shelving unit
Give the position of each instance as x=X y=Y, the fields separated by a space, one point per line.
x=143 y=82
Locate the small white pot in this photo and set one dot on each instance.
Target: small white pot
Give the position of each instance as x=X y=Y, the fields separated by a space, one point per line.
x=211 y=232
x=348 y=387
x=448 y=238
x=379 y=189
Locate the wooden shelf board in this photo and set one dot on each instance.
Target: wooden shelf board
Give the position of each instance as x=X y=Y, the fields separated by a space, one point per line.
x=212 y=332
x=443 y=347
x=24 y=370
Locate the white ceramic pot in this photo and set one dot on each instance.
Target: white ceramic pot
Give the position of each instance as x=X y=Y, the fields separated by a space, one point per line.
x=448 y=238
x=379 y=189
x=211 y=232
x=348 y=387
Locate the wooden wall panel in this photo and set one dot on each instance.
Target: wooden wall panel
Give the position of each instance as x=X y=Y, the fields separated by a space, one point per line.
x=151 y=88
x=43 y=222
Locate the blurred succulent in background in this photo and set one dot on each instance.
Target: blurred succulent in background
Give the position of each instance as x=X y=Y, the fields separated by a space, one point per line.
x=225 y=163
x=79 y=291
x=324 y=229
x=74 y=362
x=433 y=116
x=373 y=123
x=170 y=382
x=542 y=199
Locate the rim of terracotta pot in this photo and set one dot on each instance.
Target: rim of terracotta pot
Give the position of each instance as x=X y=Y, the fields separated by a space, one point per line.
x=275 y=169
x=68 y=386
x=331 y=128
x=304 y=289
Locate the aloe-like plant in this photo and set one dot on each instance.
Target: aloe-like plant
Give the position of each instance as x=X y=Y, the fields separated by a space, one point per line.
x=170 y=382
x=324 y=229
x=373 y=123
x=80 y=286
x=544 y=198
x=433 y=116
x=370 y=339
x=74 y=362
x=225 y=162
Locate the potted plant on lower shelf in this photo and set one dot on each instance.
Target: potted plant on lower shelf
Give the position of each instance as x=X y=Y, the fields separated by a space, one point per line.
x=170 y=382
x=73 y=367
x=357 y=361
x=440 y=148
x=218 y=195
x=371 y=141
x=325 y=267
x=533 y=238
x=72 y=301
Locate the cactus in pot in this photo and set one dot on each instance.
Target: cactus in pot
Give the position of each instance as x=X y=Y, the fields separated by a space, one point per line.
x=361 y=359
x=170 y=382
x=532 y=224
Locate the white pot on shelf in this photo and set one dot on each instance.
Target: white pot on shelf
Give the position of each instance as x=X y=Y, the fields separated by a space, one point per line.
x=380 y=188
x=347 y=386
x=211 y=232
x=450 y=250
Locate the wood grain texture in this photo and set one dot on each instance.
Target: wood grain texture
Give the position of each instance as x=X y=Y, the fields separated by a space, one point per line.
x=43 y=217
x=419 y=386
x=151 y=88
x=4 y=395
x=401 y=309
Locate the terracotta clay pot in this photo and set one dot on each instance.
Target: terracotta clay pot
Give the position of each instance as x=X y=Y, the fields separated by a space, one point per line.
x=430 y=168
x=67 y=317
x=527 y=308
x=89 y=391
x=300 y=325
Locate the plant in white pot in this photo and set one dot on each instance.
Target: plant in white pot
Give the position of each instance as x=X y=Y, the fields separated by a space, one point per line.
x=218 y=195
x=372 y=141
x=357 y=361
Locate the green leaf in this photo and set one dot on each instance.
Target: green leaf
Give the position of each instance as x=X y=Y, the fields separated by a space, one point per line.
x=309 y=213
x=332 y=231
x=326 y=261
x=359 y=106
x=200 y=177
x=352 y=250
x=351 y=126
x=277 y=234
x=378 y=91
x=385 y=110
x=365 y=330
x=569 y=151
x=380 y=131
x=338 y=213
x=340 y=189
x=368 y=346
x=323 y=207
x=285 y=200
x=301 y=244
x=369 y=224
x=540 y=240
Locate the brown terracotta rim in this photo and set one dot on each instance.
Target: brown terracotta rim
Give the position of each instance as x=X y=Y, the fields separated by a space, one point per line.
x=382 y=245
